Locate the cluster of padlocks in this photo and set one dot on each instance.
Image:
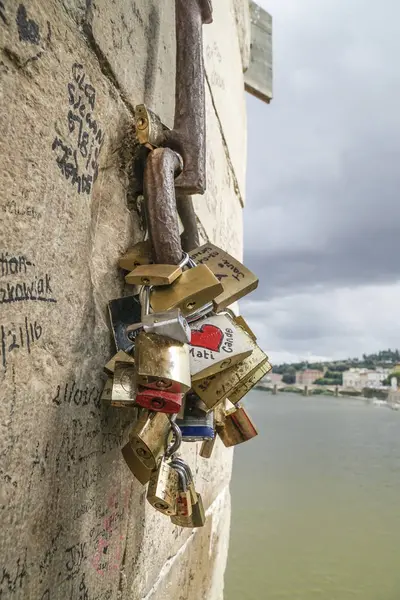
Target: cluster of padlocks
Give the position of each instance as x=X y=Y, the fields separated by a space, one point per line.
x=181 y=355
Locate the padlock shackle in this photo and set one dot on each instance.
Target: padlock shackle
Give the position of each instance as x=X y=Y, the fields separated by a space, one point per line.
x=176 y=443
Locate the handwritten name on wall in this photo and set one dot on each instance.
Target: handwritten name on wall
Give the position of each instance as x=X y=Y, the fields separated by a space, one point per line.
x=78 y=159
x=16 y=268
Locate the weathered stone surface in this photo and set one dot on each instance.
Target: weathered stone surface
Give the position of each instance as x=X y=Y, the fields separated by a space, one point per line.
x=242 y=15
x=219 y=210
x=226 y=86
x=75 y=524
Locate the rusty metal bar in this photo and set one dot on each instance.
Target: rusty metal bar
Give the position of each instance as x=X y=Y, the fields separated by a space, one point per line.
x=190 y=236
x=189 y=136
x=162 y=166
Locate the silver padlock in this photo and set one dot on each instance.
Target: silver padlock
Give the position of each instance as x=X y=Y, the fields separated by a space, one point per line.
x=170 y=324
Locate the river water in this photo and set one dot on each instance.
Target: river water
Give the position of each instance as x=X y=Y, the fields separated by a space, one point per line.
x=316 y=502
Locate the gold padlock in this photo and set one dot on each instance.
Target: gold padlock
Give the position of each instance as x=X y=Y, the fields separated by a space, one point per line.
x=149 y=128
x=163 y=488
x=123 y=392
x=236 y=279
x=139 y=254
x=216 y=344
x=162 y=363
x=215 y=389
x=135 y=465
x=239 y=320
x=249 y=382
x=148 y=437
x=194 y=289
x=207 y=447
x=237 y=427
x=154 y=274
x=121 y=356
x=197 y=517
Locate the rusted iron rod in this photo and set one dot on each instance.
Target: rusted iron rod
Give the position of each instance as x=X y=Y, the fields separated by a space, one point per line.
x=189 y=136
x=162 y=166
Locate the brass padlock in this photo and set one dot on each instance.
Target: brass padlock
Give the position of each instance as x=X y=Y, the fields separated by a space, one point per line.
x=135 y=465
x=121 y=356
x=198 y=517
x=162 y=363
x=183 y=498
x=249 y=382
x=216 y=344
x=148 y=437
x=207 y=447
x=213 y=390
x=237 y=427
x=236 y=279
x=123 y=392
x=163 y=488
x=154 y=274
x=192 y=290
x=139 y=254
x=239 y=320
x=150 y=130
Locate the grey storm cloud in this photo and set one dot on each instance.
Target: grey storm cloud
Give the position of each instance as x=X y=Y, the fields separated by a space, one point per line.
x=322 y=220
x=324 y=157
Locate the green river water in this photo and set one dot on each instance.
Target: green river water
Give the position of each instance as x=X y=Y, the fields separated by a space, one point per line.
x=316 y=502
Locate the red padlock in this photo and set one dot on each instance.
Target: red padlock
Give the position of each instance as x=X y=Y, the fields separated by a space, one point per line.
x=159 y=400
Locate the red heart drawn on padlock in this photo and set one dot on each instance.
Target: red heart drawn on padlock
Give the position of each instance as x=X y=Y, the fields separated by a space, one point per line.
x=208 y=336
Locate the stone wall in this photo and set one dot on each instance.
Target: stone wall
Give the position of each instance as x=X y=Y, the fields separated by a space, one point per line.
x=75 y=525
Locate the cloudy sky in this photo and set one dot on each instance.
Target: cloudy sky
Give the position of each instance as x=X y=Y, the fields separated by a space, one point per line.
x=322 y=220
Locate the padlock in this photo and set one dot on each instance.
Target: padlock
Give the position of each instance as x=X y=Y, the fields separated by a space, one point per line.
x=237 y=427
x=162 y=363
x=239 y=320
x=183 y=497
x=107 y=390
x=153 y=274
x=213 y=390
x=150 y=130
x=217 y=344
x=157 y=274
x=249 y=382
x=123 y=392
x=170 y=324
x=159 y=400
x=207 y=447
x=148 y=437
x=139 y=254
x=196 y=424
x=236 y=279
x=135 y=465
x=198 y=517
x=121 y=356
x=192 y=290
x=163 y=488
x=125 y=315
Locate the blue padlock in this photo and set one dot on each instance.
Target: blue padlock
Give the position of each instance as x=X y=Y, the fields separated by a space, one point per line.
x=196 y=425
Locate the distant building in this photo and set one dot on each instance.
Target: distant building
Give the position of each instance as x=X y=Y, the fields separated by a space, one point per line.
x=361 y=378
x=308 y=376
x=273 y=378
